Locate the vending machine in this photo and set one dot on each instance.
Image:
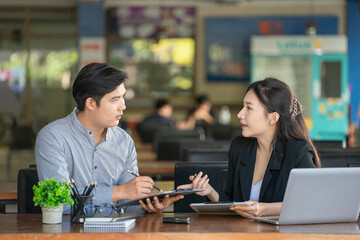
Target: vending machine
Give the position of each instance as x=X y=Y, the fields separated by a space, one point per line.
x=316 y=69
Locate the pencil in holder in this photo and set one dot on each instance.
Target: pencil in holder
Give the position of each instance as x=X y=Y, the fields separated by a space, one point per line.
x=77 y=210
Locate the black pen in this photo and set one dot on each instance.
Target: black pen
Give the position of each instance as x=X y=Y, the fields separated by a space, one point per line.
x=136 y=175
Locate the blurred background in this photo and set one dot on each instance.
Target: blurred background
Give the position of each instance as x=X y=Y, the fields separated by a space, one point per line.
x=177 y=50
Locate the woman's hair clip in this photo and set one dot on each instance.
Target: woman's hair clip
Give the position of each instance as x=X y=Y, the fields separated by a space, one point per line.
x=296 y=107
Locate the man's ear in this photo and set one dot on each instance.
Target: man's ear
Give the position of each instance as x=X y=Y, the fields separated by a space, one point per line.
x=90 y=103
x=274 y=117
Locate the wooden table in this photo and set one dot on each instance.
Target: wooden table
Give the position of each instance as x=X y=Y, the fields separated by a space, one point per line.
x=8 y=195
x=157 y=169
x=202 y=227
x=8 y=191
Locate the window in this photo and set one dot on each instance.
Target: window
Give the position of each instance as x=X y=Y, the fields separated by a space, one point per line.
x=38 y=61
x=155 y=69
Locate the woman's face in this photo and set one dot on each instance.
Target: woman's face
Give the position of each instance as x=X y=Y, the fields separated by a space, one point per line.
x=253 y=117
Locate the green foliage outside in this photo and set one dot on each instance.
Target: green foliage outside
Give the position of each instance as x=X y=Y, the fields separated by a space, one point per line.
x=50 y=193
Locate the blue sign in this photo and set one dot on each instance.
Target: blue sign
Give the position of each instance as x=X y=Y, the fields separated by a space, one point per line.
x=228 y=40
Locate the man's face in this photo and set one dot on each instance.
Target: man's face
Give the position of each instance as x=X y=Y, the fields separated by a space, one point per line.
x=111 y=108
x=166 y=111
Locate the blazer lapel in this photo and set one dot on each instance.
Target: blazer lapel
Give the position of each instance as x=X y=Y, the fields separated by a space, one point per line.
x=274 y=164
x=246 y=171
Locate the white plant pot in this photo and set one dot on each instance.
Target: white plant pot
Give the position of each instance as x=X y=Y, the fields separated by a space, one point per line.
x=52 y=215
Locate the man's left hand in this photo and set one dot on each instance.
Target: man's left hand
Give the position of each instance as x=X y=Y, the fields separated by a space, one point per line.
x=159 y=206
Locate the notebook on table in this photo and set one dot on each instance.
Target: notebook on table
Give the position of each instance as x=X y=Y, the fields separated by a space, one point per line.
x=319 y=195
x=123 y=220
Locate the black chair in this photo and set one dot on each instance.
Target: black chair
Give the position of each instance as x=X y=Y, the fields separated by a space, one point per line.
x=27 y=178
x=328 y=144
x=211 y=145
x=205 y=154
x=219 y=131
x=339 y=157
x=215 y=171
x=171 y=148
x=164 y=134
x=23 y=139
x=146 y=130
x=224 y=132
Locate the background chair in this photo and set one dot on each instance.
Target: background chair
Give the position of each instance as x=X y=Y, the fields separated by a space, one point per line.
x=27 y=178
x=22 y=144
x=204 y=154
x=146 y=130
x=215 y=171
x=339 y=157
x=171 y=148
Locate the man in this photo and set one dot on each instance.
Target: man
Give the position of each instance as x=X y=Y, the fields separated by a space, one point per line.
x=88 y=146
x=162 y=114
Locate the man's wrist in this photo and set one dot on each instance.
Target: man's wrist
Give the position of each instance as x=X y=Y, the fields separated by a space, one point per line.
x=116 y=193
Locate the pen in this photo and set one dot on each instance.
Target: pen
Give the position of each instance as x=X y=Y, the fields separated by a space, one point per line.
x=136 y=175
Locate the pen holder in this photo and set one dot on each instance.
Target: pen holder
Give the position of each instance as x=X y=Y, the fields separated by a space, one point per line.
x=77 y=210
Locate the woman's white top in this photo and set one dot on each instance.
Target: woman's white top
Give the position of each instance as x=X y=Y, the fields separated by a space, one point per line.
x=255 y=191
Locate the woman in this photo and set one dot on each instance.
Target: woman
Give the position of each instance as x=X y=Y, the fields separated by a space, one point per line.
x=201 y=114
x=274 y=140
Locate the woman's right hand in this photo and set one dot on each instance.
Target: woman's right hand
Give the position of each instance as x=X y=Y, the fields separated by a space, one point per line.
x=199 y=182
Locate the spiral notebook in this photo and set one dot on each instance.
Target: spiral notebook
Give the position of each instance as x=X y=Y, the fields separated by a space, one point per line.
x=109 y=222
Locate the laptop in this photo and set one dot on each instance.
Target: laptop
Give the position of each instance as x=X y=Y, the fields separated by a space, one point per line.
x=319 y=195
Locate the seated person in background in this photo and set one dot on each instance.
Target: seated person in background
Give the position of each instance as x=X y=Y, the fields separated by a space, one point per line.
x=162 y=114
x=88 y=146
x=203 y=112
x=274 y=140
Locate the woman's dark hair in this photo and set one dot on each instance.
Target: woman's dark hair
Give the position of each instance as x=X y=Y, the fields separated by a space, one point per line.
x=276 y=96
x=94 y=81
x=202 y=99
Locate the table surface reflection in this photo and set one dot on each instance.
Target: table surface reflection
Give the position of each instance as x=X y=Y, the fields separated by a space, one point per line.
x=150 y=226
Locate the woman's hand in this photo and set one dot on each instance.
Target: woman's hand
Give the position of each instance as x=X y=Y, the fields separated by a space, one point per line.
x=201 y=182
x=257 y=209
x=157 y=206
x=252 y=210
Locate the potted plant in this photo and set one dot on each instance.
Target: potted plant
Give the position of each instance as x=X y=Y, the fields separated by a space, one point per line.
x=50 y=195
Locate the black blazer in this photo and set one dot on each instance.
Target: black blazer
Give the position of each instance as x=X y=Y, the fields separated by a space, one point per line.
x=286 y=156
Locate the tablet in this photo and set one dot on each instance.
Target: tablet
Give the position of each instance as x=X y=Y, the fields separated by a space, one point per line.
x=215 y=207
x=159 y=195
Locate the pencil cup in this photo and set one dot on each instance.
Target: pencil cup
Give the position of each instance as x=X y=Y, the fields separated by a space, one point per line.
x=77 y=212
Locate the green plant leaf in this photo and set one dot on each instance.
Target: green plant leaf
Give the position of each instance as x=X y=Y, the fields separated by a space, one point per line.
x=51 y=193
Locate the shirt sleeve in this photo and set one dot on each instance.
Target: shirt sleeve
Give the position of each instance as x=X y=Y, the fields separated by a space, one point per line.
x=130 y=164
x=50 y=159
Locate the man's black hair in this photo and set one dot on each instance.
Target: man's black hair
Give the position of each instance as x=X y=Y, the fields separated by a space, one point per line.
x=160 y=103
x=94 y=81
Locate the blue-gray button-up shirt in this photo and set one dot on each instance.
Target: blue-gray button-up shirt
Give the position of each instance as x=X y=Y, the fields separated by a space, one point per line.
x=65 y=150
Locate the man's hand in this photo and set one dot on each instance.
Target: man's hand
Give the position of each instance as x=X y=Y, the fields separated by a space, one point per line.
x=158 y=206
x=135 y=188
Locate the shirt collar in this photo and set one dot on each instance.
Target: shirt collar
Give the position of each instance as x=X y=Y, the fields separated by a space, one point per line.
x=78 y=125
